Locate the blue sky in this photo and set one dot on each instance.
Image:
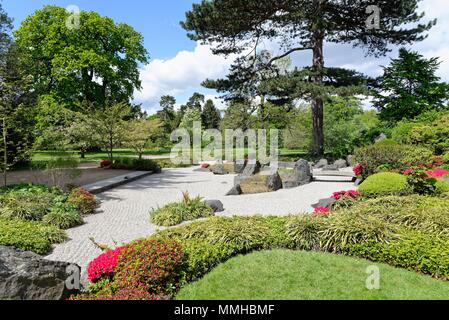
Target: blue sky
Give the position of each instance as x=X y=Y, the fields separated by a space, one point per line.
x=179 y=65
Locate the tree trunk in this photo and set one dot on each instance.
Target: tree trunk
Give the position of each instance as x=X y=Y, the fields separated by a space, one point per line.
x=317 y=100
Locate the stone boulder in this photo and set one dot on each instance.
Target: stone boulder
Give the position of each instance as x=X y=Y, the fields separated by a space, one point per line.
x=218 y=169
x=251 y=168
x=381 y=137
x=350 y=160
x=299 y=176
x=320 y=164
x=341 y=163
x=27 y=276
x=325 y=203
x=235 y=191
x=239 y=167
x=216 y=205
x=261 y=183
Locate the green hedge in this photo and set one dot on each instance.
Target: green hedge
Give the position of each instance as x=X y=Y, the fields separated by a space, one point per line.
x=29 y=235
x=136 y=164
x=385 y=184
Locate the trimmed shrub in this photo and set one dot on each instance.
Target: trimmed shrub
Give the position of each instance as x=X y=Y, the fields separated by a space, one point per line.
x=29 y=235
x=187 y=210
x=385 y=184
x=417 y=251
x=63 y=216
x=85 y=202
x=153 y=266
x=135 y=164
x=394 y=156
x=121 y=295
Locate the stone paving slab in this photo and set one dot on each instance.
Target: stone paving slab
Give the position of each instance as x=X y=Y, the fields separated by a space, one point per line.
x=108 y=184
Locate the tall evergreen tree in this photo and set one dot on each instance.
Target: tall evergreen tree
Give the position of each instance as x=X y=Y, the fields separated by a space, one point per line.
x=236 y=26
x=167 y=114
x=409 y=87
x=210 y=116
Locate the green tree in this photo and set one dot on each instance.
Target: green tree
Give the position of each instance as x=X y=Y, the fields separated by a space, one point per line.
x=210 y=116
x=237 y=116
x=139 y=133
x=168 y=114
x=109 y=123
x=16 y=102
x=235 y=26
x=409 y=87
x=96 y=61
x=191 y=115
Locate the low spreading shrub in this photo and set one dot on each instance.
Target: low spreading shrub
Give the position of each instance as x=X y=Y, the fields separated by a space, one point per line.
x=135 y=164
x=63 y=216
x=29 y=235
x=187 y=210
x=385 y=184
x=121 y=295
x=153 y=266
x=85 y=202
x=417 y=251
x=394 y=156
x=106 y=163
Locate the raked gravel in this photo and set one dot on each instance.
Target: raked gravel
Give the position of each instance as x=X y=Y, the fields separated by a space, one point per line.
x=124 y=212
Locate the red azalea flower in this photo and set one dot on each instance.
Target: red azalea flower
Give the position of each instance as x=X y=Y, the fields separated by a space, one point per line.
x=358 y=170
x=105 y=163
x=437 y=173
x=104 y=264
x=408 y=171
x=322 y=210
x=205 y=166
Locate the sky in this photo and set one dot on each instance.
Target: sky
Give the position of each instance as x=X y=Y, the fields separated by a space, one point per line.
x=179 y=65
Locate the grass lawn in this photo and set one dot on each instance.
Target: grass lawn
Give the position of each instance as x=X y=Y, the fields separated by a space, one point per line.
x=42 y=156
x=297 y=275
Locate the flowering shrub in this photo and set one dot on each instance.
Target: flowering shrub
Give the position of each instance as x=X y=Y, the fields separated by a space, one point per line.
x=205 y=166
x=153 y=266
x=322 y=210
x=105 y=163
x=85 y=201
x=437 y=173
x=350 y=193
x=121 y=295
x=437 y=161
x=358 y=170
x=104 y=265
x=408 y=172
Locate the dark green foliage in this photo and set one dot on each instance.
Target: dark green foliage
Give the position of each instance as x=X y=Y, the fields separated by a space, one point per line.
x=412 y=86
x=210 y=117
x=135 y=164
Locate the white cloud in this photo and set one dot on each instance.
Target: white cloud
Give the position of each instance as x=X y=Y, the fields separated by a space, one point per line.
x=179 y=75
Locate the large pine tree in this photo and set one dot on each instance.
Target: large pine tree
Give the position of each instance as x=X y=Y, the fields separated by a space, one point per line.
x=240 y=26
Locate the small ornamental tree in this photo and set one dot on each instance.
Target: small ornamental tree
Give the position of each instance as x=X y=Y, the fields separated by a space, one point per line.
x=139 y=133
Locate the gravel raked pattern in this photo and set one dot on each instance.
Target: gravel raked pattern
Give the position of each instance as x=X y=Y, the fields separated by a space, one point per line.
x=124 y=212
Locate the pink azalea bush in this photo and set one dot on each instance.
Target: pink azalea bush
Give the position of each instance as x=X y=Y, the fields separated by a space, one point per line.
x=437 y=173
x=105 y=163
x=350 y=193
x=104 y=265
x=322 y=210
x=358 y=170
